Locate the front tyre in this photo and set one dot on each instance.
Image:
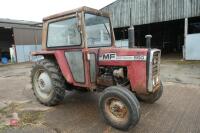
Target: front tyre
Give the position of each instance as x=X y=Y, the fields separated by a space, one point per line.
x=119 y=107
x=48 y=82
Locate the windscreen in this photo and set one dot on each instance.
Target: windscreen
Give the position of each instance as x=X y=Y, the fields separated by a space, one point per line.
x=97 y=30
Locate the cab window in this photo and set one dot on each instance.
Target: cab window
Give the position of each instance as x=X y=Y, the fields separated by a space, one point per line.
x=63 y=33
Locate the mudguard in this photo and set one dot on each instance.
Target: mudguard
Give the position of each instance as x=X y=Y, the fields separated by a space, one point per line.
x=61 y=60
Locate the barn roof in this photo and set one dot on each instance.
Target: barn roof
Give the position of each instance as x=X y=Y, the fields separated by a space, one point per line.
x=151 y=11
x=11 y=23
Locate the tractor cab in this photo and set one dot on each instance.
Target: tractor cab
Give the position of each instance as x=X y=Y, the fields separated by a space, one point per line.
x=80 y=28
x=79 y=34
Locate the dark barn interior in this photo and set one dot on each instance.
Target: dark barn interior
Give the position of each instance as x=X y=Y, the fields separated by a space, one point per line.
x=6 y=41
x=167 y=36
x=194 y=25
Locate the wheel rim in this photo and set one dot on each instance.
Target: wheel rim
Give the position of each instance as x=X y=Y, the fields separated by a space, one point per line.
x=116 y=109
x=42 y=83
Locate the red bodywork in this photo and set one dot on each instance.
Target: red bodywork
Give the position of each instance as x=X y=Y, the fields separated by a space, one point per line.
x=136 y=69
x=137 y=74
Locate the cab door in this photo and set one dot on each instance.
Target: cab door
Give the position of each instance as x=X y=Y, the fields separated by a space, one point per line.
x=75 y=60
x=82 y=65
x=64 y=35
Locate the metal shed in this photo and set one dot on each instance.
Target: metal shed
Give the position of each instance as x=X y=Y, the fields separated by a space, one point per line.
x=151 y=11
x=18 y=39
x=170 y=22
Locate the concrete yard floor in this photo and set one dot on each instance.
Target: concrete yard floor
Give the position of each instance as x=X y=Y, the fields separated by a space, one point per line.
x=177 y=111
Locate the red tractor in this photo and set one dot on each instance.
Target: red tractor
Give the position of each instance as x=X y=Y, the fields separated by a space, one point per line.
x=79 y=53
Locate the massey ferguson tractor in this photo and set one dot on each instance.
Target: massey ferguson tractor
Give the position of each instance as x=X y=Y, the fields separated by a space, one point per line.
x=79 y=53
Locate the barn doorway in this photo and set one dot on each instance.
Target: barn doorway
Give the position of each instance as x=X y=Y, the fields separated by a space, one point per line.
x=167 y=36
x=6 y=41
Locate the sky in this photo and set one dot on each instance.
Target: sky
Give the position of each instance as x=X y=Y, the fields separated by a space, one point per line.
x=35 y=10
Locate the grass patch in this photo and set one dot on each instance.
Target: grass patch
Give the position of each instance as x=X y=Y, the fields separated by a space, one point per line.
x=181 y=62
x=6 y=113
x=26 y=118
x=3 y=128
x=31 y=118
x=9 y=109
x=187 y=62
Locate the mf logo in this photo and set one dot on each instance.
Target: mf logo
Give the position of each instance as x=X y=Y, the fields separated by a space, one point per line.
x=113 y=56
x=108 y=56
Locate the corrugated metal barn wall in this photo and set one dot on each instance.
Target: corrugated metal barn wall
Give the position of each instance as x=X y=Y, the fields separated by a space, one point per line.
x=26 y=36
x=150 y=11
x=25 y=43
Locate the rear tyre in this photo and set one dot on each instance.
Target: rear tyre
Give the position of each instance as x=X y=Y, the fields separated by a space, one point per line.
x=119 y=107
x=48 y=82
x=152 y=98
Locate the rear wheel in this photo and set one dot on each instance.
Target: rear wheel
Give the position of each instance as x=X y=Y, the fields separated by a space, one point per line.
x=48 y=82
x=119 y=107
x=151 y=98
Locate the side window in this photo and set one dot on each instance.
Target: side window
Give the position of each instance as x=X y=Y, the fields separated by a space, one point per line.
x=63 y=33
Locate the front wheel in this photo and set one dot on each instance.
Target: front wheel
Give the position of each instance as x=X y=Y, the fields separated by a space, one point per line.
x=119 y=107
x=48 y=82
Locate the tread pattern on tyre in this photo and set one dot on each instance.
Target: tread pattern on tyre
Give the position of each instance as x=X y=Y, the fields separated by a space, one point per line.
x=132 y=100
x=58 y=81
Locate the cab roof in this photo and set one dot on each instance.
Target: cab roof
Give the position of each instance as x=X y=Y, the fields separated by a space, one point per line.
x=77 y=10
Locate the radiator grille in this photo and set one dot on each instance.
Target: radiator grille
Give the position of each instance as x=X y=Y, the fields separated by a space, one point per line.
x=156 y=65
x=154 y=70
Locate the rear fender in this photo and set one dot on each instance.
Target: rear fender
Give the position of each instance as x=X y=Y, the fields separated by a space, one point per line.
x=61 y=60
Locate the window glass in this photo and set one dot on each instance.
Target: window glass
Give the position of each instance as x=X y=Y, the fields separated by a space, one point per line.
x=63 y=33
x=98 y=30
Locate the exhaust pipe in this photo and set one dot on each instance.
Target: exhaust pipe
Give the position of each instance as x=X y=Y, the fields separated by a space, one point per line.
x=148 y=41
x=131 y=37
